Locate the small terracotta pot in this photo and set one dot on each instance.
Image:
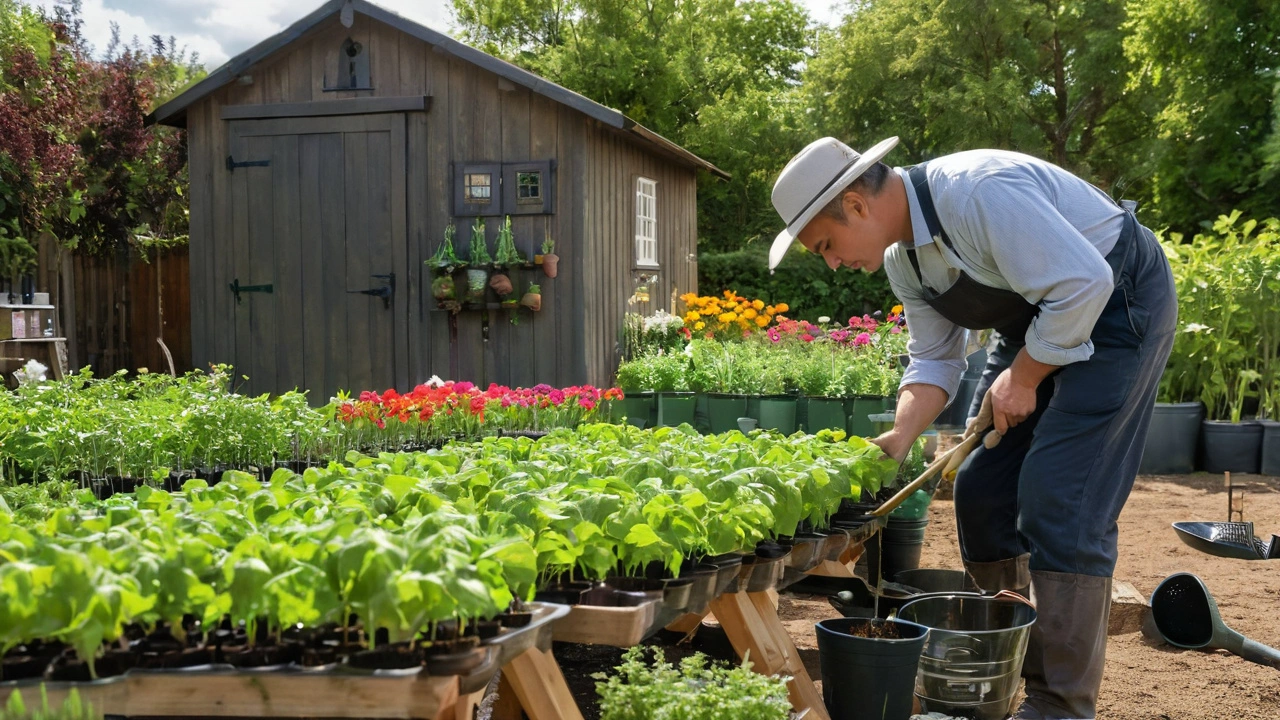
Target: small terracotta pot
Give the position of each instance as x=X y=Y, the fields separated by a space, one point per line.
x=501 y=284
x=549 y=264
x=532 y=301
x=537 y=259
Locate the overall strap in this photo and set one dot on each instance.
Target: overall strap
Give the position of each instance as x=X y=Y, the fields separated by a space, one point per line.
x=920 y=181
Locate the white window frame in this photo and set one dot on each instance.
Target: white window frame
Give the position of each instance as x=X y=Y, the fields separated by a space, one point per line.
x=646 y=223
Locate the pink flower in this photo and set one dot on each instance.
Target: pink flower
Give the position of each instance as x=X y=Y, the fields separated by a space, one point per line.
x=806 y=337
x=862 y=339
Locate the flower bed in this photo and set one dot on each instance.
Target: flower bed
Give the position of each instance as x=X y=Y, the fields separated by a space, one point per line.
x=156 y=428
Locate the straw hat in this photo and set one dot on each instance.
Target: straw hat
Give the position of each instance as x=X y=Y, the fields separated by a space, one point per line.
x=813 y=177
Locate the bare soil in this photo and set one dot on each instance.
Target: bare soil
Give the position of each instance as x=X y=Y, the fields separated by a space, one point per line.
x=1147 y=679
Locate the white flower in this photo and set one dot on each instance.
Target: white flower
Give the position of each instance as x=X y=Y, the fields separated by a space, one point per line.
x=1195 y=328
x=824 y=320
x=31 y=373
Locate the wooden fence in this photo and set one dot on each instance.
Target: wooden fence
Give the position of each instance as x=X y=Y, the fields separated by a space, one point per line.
x=112 y=308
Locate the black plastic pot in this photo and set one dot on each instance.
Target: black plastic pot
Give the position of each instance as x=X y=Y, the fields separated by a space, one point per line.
x=1171 y=439
x=1231 y=447
x=896 y=548
x=1269 y=463
x=868 y=678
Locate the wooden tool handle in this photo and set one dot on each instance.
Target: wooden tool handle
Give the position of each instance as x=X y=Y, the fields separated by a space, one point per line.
x=939 y=462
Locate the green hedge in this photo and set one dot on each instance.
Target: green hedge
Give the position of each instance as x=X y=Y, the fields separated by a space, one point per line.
x=803 y=281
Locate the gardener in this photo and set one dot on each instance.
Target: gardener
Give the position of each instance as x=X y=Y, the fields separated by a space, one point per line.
x=1082 y=299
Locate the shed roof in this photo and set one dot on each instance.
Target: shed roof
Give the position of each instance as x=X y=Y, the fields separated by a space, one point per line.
x=174 y=112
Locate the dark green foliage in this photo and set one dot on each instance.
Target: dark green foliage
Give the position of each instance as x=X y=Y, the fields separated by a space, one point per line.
x=803 y=282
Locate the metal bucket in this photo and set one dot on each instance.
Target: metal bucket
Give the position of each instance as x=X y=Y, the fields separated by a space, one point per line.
x=972 y=661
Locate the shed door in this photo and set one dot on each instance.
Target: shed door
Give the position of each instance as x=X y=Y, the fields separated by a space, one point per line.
x=319 y=217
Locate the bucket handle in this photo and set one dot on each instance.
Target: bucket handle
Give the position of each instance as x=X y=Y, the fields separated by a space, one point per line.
x=1011 y=595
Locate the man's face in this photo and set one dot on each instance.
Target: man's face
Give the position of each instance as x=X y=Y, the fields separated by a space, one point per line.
x=856 y=243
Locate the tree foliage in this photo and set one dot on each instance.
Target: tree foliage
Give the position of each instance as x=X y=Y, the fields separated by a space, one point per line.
x=1212 y=68
x=76 y=160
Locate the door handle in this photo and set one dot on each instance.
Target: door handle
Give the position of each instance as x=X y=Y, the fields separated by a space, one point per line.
x=386 y=292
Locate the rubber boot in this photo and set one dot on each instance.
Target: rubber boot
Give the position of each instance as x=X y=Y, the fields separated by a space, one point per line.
x=1067 y=649
x=992 y=577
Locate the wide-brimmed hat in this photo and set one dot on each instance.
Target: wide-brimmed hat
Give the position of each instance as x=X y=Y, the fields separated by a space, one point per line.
x=813 y=177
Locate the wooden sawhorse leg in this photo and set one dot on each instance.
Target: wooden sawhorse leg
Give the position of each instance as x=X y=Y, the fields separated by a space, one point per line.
x=752 y=624
x=535 y=681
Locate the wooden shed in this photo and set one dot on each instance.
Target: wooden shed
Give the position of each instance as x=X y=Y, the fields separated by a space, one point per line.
x=328 y=160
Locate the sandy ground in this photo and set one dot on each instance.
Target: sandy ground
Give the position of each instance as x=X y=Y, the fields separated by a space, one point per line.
x=1148 y=679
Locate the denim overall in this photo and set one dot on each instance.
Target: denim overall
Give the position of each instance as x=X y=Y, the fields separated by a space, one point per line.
x=1054 y=486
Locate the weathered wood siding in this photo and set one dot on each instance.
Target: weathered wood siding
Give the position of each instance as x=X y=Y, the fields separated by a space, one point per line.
x=610 y=271
x=474 y=117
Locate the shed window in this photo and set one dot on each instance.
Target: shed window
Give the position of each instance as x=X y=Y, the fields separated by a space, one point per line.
x=646 y=223
x=529 y=188
x=478 y=189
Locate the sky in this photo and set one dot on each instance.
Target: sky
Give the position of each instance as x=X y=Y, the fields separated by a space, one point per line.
x=220 y=29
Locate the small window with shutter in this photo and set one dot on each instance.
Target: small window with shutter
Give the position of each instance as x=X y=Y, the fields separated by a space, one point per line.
x=646 y=222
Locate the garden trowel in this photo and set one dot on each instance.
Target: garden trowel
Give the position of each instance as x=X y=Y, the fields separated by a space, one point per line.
x=1186 y=616
x=949 y=462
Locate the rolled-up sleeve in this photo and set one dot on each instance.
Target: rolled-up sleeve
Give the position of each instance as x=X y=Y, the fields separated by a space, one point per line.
x=936 y=345
x=1047 y=261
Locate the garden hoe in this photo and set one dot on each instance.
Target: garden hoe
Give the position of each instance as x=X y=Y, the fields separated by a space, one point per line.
x=1186 y=616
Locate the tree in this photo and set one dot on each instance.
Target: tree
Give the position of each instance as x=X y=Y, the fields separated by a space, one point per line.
x=1214 y=69
x=1036 y=76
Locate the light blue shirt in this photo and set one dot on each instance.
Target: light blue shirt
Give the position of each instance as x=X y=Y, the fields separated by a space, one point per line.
x=1017 y=223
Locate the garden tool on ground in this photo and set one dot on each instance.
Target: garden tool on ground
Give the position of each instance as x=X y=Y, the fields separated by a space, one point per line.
x=1186 y=616
x=949 y=461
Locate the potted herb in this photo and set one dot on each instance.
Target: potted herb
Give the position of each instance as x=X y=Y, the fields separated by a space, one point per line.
x=550 y=261
x=506 y=256
x=443 y=264
x=635 y=379
x=696 y=689
x=479 y=262
x=532 y=298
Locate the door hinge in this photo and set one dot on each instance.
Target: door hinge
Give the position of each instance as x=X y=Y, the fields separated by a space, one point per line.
x=237 y=288
x=232 y=164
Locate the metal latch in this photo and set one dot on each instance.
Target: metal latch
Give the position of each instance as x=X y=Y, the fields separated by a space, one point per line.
x=232 y=164
x=384 y=291
x=237 y=288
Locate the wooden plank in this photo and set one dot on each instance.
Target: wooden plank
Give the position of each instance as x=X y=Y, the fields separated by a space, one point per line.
x=539 y=684
x=289 y=338
x=468 y=352
x=412 y=82
x=804 y=694
x=507 y=705
x=486 y=146
x=265 y=695
x=1129 y=609
x=311 y=265
x=543 y=135
x=331 y=292
x=383 y=247
x=328 y=108
x=400 y=251
x=465 y=708
x=299 y=61
x=571 y=338
x=616 y=626
x=513 y=344
x=384 y=58
x=261 y=307
x=199 y=244
x=437 y=355
x=359 y=332
x=222 y=342
x=238 y=263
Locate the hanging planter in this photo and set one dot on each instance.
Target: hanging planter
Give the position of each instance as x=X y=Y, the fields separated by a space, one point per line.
x=443 y=288
x=532 y=298
x=550 y=261
x=501 y=284
x=476 y=281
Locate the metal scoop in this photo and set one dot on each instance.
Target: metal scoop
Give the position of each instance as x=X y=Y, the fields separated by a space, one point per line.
x=1187 y=616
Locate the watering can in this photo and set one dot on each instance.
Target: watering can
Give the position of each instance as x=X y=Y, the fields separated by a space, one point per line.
x=1186 y=616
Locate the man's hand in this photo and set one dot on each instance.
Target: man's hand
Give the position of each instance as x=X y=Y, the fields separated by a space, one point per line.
x=894 y=444
x=1013 y=394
